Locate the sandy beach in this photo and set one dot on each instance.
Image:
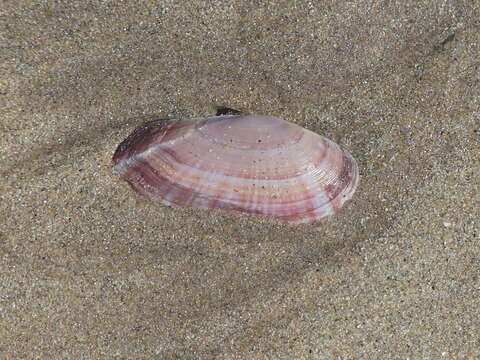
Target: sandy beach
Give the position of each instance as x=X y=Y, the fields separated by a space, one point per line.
x=91 y=270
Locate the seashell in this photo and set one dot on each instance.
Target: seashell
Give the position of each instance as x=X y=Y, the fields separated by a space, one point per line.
x=248 y=163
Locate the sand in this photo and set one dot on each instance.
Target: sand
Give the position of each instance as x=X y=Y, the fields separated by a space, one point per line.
x=90 y=270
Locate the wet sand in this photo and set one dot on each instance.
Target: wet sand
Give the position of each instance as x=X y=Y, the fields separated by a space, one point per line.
x=90 y=270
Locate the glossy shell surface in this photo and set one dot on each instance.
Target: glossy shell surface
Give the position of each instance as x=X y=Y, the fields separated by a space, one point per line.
x=248 y=163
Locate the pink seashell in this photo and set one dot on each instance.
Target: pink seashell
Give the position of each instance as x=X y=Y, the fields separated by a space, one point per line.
x=249 y=163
